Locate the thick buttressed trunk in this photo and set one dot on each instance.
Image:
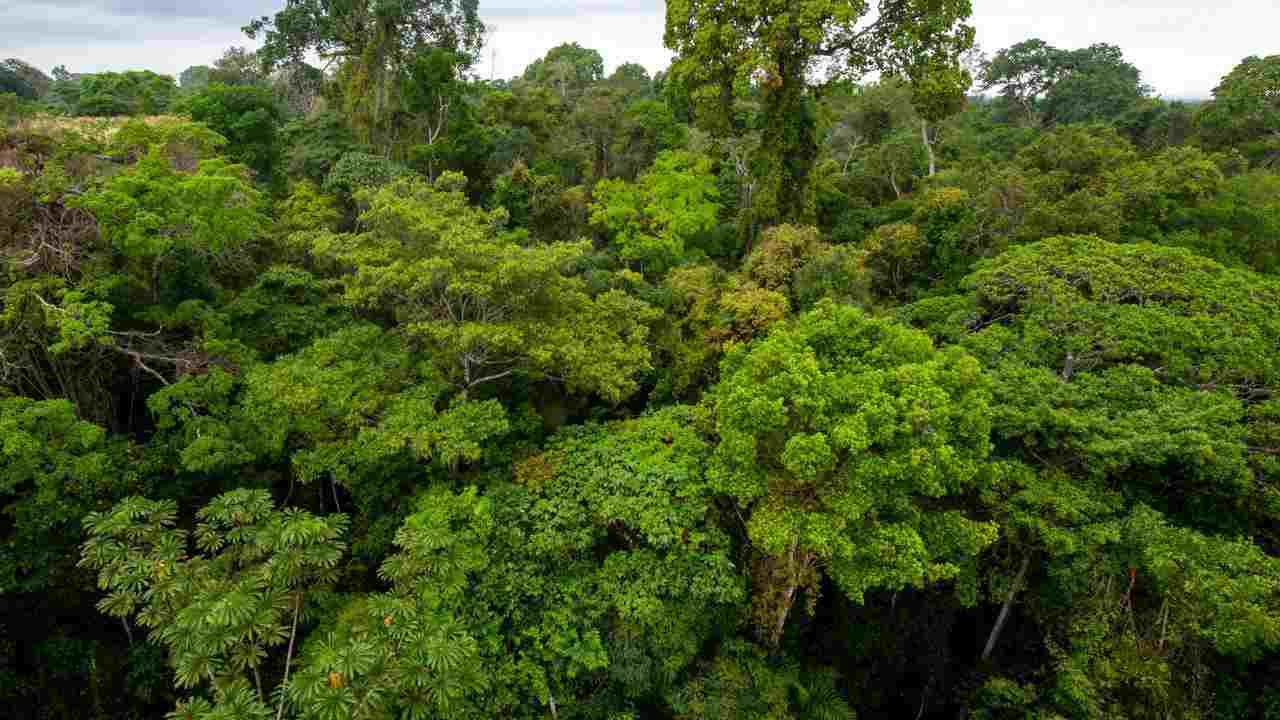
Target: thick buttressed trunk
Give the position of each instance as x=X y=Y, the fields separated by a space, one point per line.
x=779 y=580
x=790 y=146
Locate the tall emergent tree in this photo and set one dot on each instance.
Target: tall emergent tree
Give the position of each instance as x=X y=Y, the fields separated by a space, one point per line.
x=373 y=41
x=1246 y=109
x=1042 y=84
x=776 y=46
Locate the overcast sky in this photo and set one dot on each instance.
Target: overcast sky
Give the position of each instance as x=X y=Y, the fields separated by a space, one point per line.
x=1182 y=46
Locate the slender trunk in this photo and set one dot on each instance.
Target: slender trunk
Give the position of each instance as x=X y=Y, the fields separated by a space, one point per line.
x=257 y=680
x=288 y=658
x=893 y=181
x=127 y=630
x=788 y=596
x=928 y=147
x=551 y=700
x=1008 y=605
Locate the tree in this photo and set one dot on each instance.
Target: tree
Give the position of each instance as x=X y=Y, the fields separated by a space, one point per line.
x=23 y=80
x=137 y=92
x=1133 y=369
x=640 y=574
x=937 y=92
x=220 y=609
x=54 y=469
x=634 y=80
x=357 y=170
x=742 y=683
x=774 y=45
x=896 y=257
x=599 y=117
x=484 y=306
x=375 y=42
x=1025 y=73
x=433 y=93
x=649 y=129
x=247 y=116
x=298 y=88
x=315 y=144
x=238 y=66
x=1127 y=395
x=655 y=220
x=407 y=651
x=569 y=68
x=1097 y=84
x=194 y=78
x=858 y=119
x=1246 y=109
x=836 y=433
x=159 y=220
x=1049 y=86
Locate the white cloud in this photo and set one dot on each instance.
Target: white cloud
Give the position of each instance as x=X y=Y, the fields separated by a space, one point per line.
x=515 y=41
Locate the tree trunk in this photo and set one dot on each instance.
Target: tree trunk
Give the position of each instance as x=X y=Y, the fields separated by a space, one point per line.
x=257 y=680
x=797 y=563
x=1008 y=605
x=928 y=147
x=288 y=658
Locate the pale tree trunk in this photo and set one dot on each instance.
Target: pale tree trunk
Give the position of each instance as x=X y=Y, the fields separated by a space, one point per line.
x=288 y=658
x=1008 y=605
x=928 y=147
x=435 y=129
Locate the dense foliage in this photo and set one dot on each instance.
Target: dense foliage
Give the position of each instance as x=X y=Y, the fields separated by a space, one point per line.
x=382 y=391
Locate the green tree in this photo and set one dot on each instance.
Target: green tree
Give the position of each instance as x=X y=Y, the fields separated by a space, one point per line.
x=634 y=80
x=194 y=78
x=485 y=306
x=1046 y=85
x=158 y=218
x=54 y=469
x=599 y=116
x=23 y=80
x=639 y=572
x=1128 y=389
x=221 y=609
x=238 y=66
x=742 y=682
x=136 y=92
x=835 y=432
x=568 y=68
x=406 y=651
x=433 y=96
x=376 y=43
x=1245 y=109
x=774 y=45
x=655 y=221
x=247 y=116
